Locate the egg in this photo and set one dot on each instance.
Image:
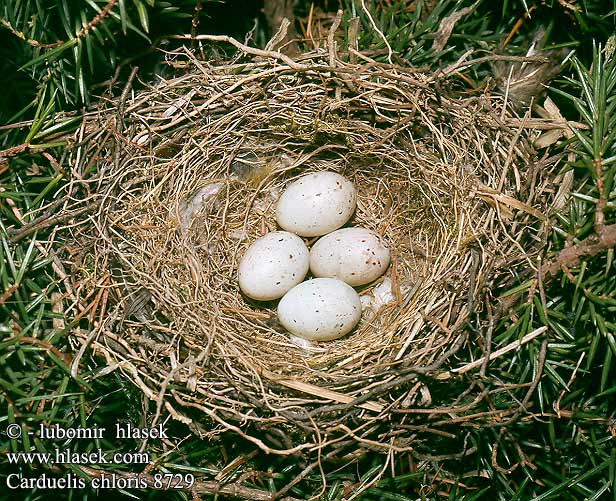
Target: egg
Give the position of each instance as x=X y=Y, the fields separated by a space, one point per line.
x=320 y=309
x=356 y=256
x=272 y=265
x=316 y=204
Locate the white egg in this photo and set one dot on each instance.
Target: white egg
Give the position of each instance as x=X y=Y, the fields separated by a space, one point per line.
x=356 y=256
x=321 y=309
x=316 y=204
x=272 y=265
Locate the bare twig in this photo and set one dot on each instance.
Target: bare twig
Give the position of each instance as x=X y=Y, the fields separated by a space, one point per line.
x=493 y=356
x=244 y=48
x=571 y=256
x=46 y=220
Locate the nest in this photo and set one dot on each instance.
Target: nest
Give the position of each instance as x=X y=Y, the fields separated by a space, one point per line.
x=180 y=178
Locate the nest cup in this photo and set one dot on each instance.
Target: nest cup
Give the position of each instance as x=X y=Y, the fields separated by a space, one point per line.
x=188 y=175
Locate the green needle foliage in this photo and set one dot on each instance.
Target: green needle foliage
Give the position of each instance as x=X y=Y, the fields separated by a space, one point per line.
x=581 y=309
x=54 y=51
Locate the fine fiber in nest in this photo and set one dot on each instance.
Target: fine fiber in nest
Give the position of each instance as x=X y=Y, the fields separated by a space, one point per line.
x=180 y=178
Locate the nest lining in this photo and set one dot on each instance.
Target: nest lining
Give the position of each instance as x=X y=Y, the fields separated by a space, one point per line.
x=188 y=178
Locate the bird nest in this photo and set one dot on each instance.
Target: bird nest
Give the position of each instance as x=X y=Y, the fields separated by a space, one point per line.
x=171 y=185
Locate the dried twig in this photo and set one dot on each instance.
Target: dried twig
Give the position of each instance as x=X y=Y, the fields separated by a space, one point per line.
x=493 y=356
x=571 y=256
x=245 y=48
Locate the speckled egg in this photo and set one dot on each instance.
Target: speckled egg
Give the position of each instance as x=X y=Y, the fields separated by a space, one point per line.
x=316 y=204
x=272 y=265
x=320 y=309
x=356 y=256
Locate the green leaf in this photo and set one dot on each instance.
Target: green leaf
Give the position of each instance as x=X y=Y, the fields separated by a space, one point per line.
x=50 y=55
x=25 y=262
x=89 y=42
x=123 y=16
x=143 y=15
x=568 y=483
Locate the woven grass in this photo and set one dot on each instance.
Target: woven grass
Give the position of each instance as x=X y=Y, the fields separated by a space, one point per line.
x=175 y=181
